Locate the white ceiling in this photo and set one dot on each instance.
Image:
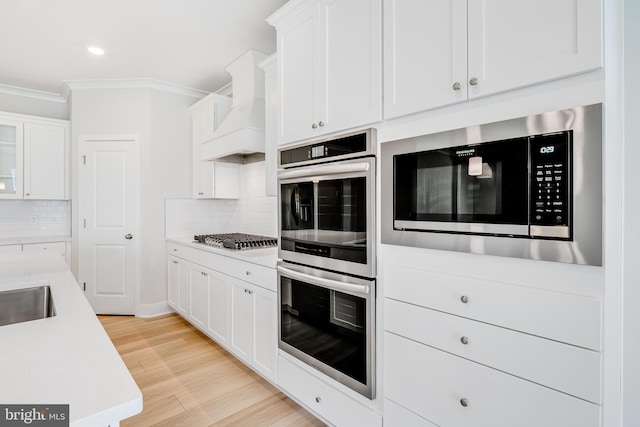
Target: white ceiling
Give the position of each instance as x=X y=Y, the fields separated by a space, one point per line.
x=182 y=42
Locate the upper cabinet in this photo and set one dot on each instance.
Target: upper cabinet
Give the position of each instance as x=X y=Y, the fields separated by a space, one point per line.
x=439 y=52
x=211 y=180
x=329 y=66
x=34 y=158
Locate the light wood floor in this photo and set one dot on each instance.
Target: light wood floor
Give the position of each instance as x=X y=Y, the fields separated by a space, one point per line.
x=189 y=380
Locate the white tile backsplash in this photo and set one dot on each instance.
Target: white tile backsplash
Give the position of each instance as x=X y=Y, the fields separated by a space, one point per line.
x=34 y=218
x=253 y=213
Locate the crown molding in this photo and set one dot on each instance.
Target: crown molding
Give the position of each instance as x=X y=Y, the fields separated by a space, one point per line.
x=32 y=93
x=71 y=85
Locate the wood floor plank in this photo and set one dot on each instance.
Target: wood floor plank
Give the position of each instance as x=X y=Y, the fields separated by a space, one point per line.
x=189 y=380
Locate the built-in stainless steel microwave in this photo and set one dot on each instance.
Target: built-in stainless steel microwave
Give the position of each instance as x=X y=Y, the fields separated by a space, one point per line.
x=529 y=187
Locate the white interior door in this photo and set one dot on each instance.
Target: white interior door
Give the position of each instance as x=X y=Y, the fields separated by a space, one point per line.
x=109 y=190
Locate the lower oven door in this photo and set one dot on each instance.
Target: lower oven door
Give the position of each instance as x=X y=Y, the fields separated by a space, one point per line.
x=327 y=321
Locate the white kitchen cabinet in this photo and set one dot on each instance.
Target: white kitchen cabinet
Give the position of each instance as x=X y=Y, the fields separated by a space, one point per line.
x=198 y=295
x=34 y=158
x=230 y=300
x=58 y=248
x=219 y=297
x=269 y=65
x=445 y=51
x=329 y=66
x=211 y=180
x=253 y=323
x=7 y=249
x=11 y=152
x=451 y=391
x=46 y=164
x=173 y=281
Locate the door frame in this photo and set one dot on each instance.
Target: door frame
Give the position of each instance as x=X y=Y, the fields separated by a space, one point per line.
x=82 y=208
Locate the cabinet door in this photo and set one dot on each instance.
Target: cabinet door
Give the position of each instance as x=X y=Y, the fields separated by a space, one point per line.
x=515 y=43
x=425 y=45
x=242 y=318
x=226 y=180
x=11 y=152
x=183 y=289
x=173 y=281
x=218 y=326
x=203 y=121
x=298 y=69
x=46 y=150
x=198 y=296
x=265 y=332
x=351 y=53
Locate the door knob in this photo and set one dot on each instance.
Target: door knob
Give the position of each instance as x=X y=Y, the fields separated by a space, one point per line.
x=128 y=236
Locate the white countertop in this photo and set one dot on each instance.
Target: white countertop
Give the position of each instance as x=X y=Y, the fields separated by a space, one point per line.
x=266 y=257
x=33 y=239
x=65 y=359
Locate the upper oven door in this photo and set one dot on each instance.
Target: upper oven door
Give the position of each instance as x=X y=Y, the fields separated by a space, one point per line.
x=327 y=215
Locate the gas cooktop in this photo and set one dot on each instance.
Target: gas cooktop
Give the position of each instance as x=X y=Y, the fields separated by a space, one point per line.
x=236 y=241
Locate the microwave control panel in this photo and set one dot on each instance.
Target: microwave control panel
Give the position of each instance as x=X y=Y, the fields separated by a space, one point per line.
x=550 y=191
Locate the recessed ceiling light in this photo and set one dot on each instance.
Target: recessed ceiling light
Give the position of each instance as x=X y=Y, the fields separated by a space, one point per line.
x=96 y=50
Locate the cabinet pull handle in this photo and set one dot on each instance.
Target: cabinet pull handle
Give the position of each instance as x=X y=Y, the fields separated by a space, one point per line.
x=175 y=262
x=318 y=399
x=28 y=194
x=464 y=402
x=203 y=273
x=248 y=273
x=473 y=81
x=464 y=340
x=456 y=86
x=314 y=126
x=200 y=193
x=249 y=291
x=464 y=299
x=321 y=124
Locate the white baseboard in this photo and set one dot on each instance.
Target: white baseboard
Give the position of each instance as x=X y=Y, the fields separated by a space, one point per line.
x=153 y=310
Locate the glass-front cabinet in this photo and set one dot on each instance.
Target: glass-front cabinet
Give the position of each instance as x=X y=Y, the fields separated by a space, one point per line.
x=11 y=161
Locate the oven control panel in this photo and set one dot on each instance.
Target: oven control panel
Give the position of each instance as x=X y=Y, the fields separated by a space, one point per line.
x=550 y=191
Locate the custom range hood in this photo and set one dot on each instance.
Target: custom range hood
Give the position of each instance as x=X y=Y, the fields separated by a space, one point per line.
x=242 y=130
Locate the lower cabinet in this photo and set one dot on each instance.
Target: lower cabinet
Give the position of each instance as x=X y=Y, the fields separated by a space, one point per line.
x=59 y=248
x=237 y=314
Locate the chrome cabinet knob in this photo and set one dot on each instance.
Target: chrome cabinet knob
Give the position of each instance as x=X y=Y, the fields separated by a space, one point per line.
x=27 y=194
x=248 y=273
x=464 y=402
x=464 y=299
x=321 y=124
x=473 y=81
x=456 y=86
x=200 y=193
x=318 y=399
x=314 y=126
x=128 y=236
x=464 y=340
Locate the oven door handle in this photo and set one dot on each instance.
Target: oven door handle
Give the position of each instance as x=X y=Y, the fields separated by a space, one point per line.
x=327 y=283
x=331 y=169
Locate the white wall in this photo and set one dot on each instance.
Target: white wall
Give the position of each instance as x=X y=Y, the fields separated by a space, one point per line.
x=33 y=106
x=164 y=125
x=253 y=213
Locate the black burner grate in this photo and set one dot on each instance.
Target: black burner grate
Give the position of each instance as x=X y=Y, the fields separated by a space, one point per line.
x=237 y=241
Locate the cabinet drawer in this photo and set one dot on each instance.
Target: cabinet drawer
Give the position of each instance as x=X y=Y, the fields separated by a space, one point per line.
x=563 y=367
x=568 y=318
x=54 y=247
x=397 y=416
x=451 y=391
x=5 y=249
x=257 y=274
x=323 y=399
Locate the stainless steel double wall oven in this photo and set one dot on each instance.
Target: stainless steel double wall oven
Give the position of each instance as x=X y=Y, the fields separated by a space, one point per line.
x=326 y=276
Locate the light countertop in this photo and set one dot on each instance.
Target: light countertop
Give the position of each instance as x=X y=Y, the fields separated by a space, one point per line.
x=65 y=359
x=266 y=257
x=33 y=239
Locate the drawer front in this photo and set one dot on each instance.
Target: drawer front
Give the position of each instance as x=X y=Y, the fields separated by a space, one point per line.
x=559 y=316
x=323 y=399
x=6 y=249
x=257 y=274
x=397 y=416
x=563 y=367
x=451 y=391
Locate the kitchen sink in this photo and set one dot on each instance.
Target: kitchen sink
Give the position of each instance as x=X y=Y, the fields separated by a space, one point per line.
x=23 y=305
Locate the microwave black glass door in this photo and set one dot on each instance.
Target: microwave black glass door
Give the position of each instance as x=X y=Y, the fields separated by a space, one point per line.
x=327 y=325
x=485 y=183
